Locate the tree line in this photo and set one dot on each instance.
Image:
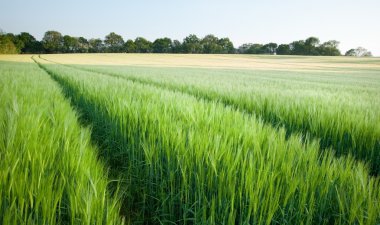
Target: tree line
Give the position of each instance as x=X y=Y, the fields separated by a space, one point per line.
x=55 y=42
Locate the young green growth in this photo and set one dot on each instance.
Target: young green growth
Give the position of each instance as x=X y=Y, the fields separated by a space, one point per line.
x=190 y=161
x=49 y=172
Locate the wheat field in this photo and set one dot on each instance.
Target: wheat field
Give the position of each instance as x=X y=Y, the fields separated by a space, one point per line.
x=189 y=139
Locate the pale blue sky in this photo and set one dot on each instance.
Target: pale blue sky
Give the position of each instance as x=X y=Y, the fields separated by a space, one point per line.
x=352 y=22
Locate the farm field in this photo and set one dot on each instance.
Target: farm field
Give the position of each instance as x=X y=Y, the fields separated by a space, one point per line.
x=189 y=139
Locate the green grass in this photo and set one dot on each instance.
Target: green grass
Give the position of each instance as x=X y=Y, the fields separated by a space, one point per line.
x=191 y=161
x=340 y=108
x=49 y=172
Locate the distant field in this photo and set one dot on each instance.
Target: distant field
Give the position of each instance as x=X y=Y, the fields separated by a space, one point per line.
x=221 y=61
x=189 y=139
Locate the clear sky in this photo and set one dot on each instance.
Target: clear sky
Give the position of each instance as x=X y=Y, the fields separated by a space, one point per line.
x=352 y=22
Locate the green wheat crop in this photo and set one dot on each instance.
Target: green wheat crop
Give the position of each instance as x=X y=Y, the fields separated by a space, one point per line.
x=191 y=161
x=49 y=172
x=340 y=108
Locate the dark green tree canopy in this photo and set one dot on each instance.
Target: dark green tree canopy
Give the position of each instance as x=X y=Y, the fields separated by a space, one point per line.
x=255 y=49
x=130 y=46
x=176 y=46
x=162 y=45
x=70 y=44
x=298 y=47
x=210 y=44
x=143 y=45
x=83 y=45
x=311 y=46
x=30 y=44
x=191 y=44
x=283 y=49
x=329 y=48
x=95 y=45
x=244 y=48
x=53 y=42
x=270 y=48
x=75 y=44
x=226 y=46
x=114 y=42
x=358 y=52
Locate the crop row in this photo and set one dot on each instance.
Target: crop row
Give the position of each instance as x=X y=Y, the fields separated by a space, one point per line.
x=341 y=110
x=189 y=161
x=49 y=172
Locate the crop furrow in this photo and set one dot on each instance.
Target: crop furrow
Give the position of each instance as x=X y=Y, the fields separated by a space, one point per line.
x=338 y=130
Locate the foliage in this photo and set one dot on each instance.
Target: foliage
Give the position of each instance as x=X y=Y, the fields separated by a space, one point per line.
x=162 y=45
x=53 y=42
x=30 y=44
x=358 y=52
x=130 y=46
x=114 y=42
x=70 y=44
x=176 y=46
x=7 y=46
x=329 y=48
x=191 y=44
x=227 y=47
x=210 y=44
x=95 y=45
x=283 y=49
x=270 y=48
x=143 y=45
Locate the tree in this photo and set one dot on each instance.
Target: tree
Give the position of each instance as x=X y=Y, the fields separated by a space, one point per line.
x=210 y=44
x=312 y=41
x=362 y=52
x=52 y=41
x=37 y=48
x=226 y=46
x=19 y=44
x=114 y=42
x=244 y=48
x=255 y=49
x=30 y=44
x=297 y=47
x=283 y=49
x=130 y=46
x=191 y=44
x=6 y=45
x=162 y=45
x=83 y=45
x=270 y=48
x=350 y=52
x=367 y=54
x=176 y=46
x=358 y=52
x=70 y=44
x=143 y=45
x=329 y=48
x=95 y=45
x=310 y=46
